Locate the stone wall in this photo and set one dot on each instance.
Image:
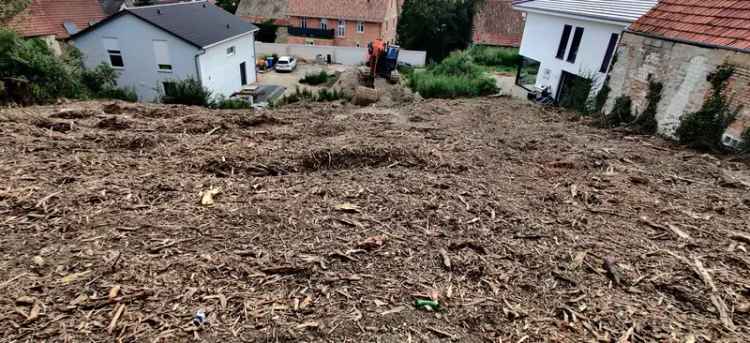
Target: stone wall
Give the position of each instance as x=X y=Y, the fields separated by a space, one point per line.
x=683 y=70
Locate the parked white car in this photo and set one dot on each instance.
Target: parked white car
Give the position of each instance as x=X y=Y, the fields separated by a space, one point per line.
x=286 y=63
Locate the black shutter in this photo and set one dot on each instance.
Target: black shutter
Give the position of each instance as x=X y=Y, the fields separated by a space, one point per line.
x=575 y=45
x=563 y=42
x=243 y=74
x=610 y=52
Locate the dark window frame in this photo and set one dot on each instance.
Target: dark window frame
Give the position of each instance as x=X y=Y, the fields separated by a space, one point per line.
x=613 y=39
x=116 y=55
x=564 y=38
x=575 y=44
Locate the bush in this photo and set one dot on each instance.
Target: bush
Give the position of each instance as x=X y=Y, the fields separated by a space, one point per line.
x=577 y=97
x=745 y=145
x=703 y=129
x=31 y=60
x=601 y=97
x=223 y=103
x=622 y=112
x=304 y=94
x=494 y=56
x=646 y=122
x=125 y=94
x=456 y=76
x=315 y=79
x=187 y=92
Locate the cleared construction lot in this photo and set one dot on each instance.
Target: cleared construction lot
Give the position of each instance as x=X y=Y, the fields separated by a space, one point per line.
x=326 y=222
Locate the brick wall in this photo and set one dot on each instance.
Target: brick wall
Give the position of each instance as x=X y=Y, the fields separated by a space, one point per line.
x=682 y=69
x=373 y=31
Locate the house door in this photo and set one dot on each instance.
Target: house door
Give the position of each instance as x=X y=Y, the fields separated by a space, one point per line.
x=243 y=73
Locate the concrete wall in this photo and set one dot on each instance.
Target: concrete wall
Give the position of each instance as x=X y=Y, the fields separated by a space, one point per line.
x=541 y=38
x=683 y=70
x=135 y=39
x=339 y=54
x=220 y=72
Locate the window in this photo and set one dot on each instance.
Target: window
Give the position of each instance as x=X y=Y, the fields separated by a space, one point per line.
x=324 y=24
x=231 y=51
x=303 y=22
x=113 y=50
x=360 y=27
x=575 y=45
x=563 y=42
x=341 y=30
x=170 y=88
x=161 y=53
x=610 y=52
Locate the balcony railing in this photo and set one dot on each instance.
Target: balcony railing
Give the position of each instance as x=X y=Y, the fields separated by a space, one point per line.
x=312 y=33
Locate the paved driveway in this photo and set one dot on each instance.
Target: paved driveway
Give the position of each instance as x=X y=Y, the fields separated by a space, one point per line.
x=291 y=80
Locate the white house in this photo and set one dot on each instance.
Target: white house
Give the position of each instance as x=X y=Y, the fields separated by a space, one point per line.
x=567 y=39
x=153 y=46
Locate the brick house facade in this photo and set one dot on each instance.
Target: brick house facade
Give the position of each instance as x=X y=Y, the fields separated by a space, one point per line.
x=679 y=50
x=342 y=23
x=498 y=24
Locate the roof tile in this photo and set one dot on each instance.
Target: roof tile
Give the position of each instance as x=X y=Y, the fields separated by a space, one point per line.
x=46 y=17
x=717 y=22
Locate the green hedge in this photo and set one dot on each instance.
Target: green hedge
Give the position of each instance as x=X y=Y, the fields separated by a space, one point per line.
x=456 y=76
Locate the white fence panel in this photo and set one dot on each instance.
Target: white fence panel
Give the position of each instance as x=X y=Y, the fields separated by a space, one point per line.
x=339 y=54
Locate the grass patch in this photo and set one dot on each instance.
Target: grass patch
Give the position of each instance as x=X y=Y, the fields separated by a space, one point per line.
x=318 y=78
x=456 y=76
x=506 y=58
x=306 y=95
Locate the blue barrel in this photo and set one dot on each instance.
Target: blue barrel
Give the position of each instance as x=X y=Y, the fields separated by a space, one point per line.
x=269 y=62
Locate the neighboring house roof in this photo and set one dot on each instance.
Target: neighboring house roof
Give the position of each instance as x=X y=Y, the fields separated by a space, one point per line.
x=198 y=23
x=113 y=6
x=48 y=17
x=621 y=11
x=723 y=23
x=497 y=23
x=364 y=10
x=268 y=9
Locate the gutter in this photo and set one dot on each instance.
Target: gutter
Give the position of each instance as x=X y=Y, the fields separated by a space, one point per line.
x=198 y=66
x=688 y=42
x=596 y=18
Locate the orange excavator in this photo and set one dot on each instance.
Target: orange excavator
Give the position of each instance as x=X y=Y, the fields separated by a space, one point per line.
x=382 y=60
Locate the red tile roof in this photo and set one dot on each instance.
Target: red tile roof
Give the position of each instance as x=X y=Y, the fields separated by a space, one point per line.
x=498 y=24
x=365 y=10
x=46 y=17
x=713 y=22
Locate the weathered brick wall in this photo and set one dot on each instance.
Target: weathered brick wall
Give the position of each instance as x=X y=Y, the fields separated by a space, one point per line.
x=351 y=37
x=683 y=70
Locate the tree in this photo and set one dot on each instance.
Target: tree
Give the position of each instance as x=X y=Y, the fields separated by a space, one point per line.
x=228 y=5
x=267 y=33
x=437 y=26
x=9 y=8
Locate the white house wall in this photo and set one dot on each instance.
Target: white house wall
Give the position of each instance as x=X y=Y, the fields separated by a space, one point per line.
x=135 y=38
x=541 y=38
x=220 y=72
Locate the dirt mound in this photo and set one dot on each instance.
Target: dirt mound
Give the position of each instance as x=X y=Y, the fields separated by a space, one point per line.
x=230 y=168
x=360 y=157
x=113 y=123
x=76 y=114
x=245 y=121
x=58 y=126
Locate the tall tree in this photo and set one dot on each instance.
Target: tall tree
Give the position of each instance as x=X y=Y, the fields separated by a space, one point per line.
x=437 y=26
x=9 y=8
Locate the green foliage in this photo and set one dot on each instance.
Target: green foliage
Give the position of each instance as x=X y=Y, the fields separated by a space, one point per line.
x=306 y=95
x=315 y=79
x=228 y=5
x=622 y=112
x=100 y=78
x=646 y=122
x=267 y=32
x=454 y=77
x=31 y=60
x=125 y=94
x=703 y=129
x=601 y=97
x=577 y=96
x=9 y=8
x=187 y=92
x=437 y=26
x=223 y=103
x=494 y=56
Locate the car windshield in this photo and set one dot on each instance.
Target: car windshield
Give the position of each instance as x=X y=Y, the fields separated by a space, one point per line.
x=283 y=62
